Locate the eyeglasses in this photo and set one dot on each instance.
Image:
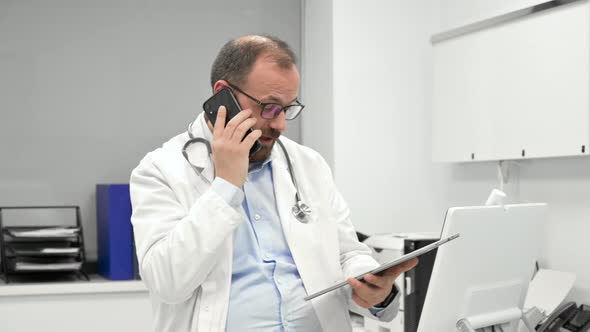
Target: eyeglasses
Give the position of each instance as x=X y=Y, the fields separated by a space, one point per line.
x=272 y=110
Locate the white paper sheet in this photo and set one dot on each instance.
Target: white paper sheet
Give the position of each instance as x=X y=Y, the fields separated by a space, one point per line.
x=548 y=290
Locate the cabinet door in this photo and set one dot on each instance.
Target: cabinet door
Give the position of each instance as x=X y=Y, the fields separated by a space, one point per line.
x=416 y=284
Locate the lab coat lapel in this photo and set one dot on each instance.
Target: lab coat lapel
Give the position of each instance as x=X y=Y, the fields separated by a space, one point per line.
x=297 y=234
x=209 y=171
x=284 y=193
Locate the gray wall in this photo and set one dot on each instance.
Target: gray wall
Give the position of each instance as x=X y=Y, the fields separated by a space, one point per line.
x=87 y=88
x=317 y=130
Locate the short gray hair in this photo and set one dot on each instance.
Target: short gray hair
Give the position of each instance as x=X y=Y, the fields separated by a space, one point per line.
x=236 y=58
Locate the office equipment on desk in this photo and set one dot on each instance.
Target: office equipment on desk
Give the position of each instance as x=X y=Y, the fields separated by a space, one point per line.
x=567 y=318
x=412 y=284
x=116 y=250
x=49 y=251
x=545 y=303
x=549 y=289
x=513 y=86
x=482 y=280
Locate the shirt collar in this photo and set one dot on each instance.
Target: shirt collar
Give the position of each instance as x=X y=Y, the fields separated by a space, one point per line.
x=258 y=165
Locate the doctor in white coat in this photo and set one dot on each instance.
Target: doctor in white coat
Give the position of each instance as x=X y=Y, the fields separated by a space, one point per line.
x=221 y=250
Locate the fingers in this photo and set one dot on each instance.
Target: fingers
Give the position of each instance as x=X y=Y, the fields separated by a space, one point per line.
x=219 y=121
x=230 y=156
x=360 y=301
x=359 y=291
x=233 y=124
x=242 y=129
x=367 y=292
x=227 y=131
x=380 y=282
x=412 y=263
x=251 y=138
x=396 y=270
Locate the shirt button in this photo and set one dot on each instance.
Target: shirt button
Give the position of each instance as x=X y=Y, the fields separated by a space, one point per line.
x=257 y=217
x=267 y=256
x=278 y=281
x=285 y=323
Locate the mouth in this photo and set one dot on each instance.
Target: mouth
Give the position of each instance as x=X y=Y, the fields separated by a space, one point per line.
x=266 y=140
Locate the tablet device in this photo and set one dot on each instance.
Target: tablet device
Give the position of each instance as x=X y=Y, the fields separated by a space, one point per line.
x=387 y=265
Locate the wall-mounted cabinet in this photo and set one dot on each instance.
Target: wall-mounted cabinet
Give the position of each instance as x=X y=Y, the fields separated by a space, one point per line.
x=515 y=86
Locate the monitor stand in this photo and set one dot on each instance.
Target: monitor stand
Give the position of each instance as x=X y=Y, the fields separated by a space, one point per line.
x=496 y=320
x=493 y=305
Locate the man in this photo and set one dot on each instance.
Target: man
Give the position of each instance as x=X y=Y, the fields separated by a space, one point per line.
x=218 y=246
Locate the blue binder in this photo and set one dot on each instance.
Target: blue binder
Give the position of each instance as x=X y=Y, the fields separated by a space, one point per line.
x=115 y=234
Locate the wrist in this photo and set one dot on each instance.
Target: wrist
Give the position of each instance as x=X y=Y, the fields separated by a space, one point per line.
x=389 y=298
x=231 y=179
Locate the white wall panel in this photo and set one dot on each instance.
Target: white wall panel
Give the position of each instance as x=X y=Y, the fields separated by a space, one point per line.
x=517 y=88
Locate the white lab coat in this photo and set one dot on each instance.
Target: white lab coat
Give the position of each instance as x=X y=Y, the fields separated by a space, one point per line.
x=183 y=234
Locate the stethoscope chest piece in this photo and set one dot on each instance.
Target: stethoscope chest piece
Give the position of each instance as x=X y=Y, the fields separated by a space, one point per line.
x=301 y=211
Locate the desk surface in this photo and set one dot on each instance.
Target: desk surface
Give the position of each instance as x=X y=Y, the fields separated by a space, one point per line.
x=97 y=284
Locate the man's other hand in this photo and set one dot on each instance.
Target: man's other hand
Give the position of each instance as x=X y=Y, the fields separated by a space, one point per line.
x=376 y=288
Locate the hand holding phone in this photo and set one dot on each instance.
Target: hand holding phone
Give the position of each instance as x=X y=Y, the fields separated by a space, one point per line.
x=233 y=137
x=225 y=97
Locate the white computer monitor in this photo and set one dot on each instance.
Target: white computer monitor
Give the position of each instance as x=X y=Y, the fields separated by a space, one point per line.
x=484 y=274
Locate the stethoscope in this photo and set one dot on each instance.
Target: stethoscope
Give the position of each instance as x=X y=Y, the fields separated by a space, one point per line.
x=300 y=210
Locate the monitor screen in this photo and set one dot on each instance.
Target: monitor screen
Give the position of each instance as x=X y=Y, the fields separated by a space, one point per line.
x=484 y=275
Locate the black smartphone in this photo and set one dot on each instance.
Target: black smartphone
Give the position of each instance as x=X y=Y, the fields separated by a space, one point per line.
x=225 y=97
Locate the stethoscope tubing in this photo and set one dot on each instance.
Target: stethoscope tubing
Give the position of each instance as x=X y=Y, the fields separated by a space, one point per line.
x=300 y=210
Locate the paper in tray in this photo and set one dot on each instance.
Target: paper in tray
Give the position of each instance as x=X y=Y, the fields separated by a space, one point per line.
x=26 y=266
x=58 y=232
x=41 y=251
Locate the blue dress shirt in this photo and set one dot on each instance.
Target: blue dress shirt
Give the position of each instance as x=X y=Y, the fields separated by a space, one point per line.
x=266 y=291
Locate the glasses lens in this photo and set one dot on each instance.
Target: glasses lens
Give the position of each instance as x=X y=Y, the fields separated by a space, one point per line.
x=293 y=111
x=271 y=111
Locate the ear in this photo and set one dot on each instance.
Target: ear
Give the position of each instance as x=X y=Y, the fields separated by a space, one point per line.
x=220 y=85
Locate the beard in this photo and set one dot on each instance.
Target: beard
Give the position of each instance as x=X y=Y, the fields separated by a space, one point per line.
x=262 y=154
x=266 y=148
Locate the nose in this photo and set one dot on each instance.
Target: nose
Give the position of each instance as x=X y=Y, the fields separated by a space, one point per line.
x=279 y=123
